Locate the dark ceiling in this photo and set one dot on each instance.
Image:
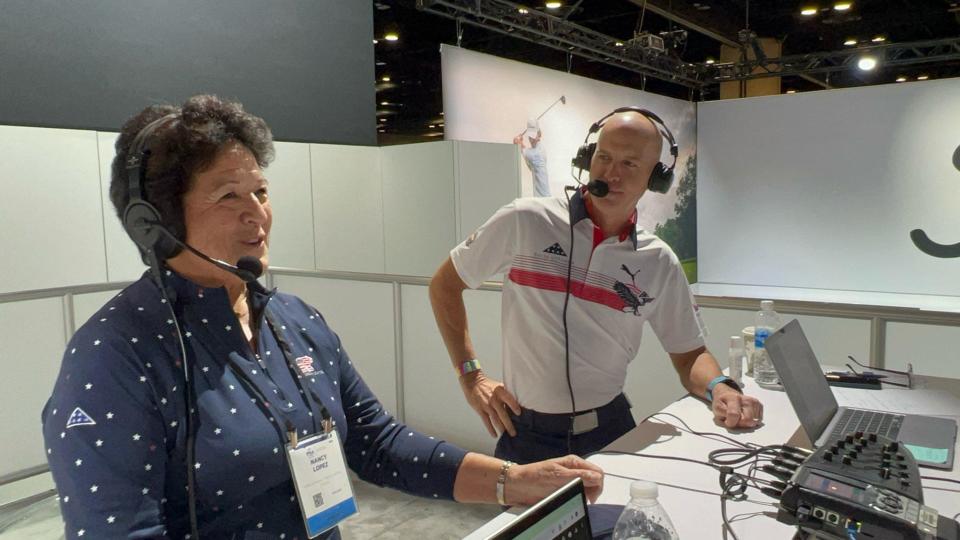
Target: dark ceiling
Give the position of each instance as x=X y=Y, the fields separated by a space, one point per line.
x=413 y=95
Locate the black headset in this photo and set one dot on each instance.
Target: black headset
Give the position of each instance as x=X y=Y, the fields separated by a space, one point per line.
x=141 y=219
x=660 y=178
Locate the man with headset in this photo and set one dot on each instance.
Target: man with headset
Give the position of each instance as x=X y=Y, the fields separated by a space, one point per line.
x=580 y=282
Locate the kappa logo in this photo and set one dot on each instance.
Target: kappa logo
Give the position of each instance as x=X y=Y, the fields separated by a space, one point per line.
x=305 y=364
x=79 y=418
x=555 y=249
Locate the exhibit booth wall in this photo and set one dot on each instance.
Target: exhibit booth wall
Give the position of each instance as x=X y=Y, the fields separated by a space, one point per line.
x=363 y=254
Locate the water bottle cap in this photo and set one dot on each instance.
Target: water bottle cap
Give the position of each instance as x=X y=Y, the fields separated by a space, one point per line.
x=736 y=342
x=643 y=489
x=766 y=305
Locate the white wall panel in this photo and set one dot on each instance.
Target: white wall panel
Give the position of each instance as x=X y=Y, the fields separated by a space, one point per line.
x=53 y=229
x=651 y=383
x=933 y=350
x=123 y=259
x=348 y=210
x=821 y=189
x=31 y=347
x=291 y=238
x=488 y=177
x=419 y=215
x=361 y=313
x=85 y=305
x=433 y=401
x=832 y=338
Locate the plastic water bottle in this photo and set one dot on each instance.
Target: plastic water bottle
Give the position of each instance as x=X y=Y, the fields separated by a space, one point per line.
x=736 y=359
x=767 y=321
x=643 y=518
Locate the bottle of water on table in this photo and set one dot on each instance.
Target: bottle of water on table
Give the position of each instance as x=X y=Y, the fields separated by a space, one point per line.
x=767 y=321
x=643 y=518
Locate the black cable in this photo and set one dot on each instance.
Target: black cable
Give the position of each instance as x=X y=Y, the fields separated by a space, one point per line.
x=704 y=434
x=189 y=426
x=566 y=333
x=940 y=478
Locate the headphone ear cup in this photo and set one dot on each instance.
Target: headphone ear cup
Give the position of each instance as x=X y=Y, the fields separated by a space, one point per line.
x=143 y=225
x=660 y=178
x=583 y=157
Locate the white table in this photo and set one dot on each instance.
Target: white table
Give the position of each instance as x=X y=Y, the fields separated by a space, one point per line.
x=690 y=493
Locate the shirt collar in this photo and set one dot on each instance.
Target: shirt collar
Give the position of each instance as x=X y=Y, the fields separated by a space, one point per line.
x=580 y=208
x=190 y=293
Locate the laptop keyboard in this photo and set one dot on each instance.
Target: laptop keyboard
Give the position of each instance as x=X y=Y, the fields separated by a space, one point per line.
x=881 y=423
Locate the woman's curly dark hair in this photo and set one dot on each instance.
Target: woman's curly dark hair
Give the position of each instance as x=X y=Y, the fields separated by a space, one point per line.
x=181 y=148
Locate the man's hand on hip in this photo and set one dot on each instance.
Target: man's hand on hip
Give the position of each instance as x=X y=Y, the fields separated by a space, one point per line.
x=490 y=399
x=735 y=410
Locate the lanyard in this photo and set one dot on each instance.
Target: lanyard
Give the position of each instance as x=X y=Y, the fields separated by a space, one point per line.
x=309 y=396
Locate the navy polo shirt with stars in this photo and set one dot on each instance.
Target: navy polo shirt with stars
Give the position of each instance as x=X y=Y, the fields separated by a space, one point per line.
x=115 y=434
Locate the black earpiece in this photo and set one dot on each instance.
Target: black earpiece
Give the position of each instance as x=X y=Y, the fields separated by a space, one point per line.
x=660 y=178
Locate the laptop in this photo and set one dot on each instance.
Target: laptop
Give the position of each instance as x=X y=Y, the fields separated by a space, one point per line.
x=930 y=439
x=562 y=514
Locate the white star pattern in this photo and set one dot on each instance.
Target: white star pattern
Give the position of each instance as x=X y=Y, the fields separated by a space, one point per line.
x=173 y=424
x=66 y=499
x=109 y=416
x=228 y=328
x=81 y=532
x=189 y=334
x=88 y=386
x=96 y=342
x=196 y=465
x=217 y=431
x=252 y=478
x=73 y=350
x=163 y=401
x=99 y=442
x=143 y=379
x=233 y=410
x=236 y=452
x=134 y=340
x=206 y=369
x=416 y=459
x=204 y=321
x=78 y=462
x=103 y=320
x=136 y=436
x=94 y=488
x=260 y=525
x=144 y=491
x=159 y=336
x=219 y=492
x=111 y=519
x=147 y=467
x=63 y=434
x=275 y=450
x=424 y=475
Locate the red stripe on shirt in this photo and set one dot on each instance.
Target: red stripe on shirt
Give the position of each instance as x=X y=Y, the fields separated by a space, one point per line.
x=553 y=282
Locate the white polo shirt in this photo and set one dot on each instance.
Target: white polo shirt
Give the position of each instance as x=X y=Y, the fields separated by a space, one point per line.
x=615 y=288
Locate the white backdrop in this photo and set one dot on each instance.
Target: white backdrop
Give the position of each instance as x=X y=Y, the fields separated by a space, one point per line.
x=821 y=189
x=490 y=99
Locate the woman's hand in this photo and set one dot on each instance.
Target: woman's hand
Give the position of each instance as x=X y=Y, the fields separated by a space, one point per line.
x=528 y=484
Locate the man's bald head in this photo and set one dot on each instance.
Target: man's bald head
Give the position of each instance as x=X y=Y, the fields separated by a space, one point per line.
x=638 y=128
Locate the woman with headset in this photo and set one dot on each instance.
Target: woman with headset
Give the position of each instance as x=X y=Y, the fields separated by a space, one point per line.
x=196 y=403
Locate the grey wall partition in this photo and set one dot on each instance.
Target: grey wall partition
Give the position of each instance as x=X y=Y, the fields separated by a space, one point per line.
x=306 y=66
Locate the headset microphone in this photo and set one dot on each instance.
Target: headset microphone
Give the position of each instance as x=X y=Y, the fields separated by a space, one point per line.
x=247 y=268
x=598 y=187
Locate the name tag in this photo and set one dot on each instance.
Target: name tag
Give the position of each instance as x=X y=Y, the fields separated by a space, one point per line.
x=319 y=473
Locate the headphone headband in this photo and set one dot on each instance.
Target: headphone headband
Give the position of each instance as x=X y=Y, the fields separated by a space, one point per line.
x=661 y=177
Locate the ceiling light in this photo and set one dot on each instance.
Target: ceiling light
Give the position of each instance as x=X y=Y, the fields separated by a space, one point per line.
x=391 y=36
x=791 y=91
x=523 y=10
x=901 y=79
x=710 y=60
x=432 y=126
x=385 y=78
x=553 y=5
x=867 y=63
x=923 y=77
x=384 y=103
x=618 y=44
x=381 y=131
x=850 y=42
x=808 y=11
x=375 y=42
x=842 y=6
x=879 y=39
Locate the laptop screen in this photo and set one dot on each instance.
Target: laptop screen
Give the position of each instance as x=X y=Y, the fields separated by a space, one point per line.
x=802 y=378
x=563 y=514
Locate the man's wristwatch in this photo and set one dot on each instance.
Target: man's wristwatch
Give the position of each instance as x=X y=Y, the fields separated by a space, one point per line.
x=469 y=366
x=722 y=379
